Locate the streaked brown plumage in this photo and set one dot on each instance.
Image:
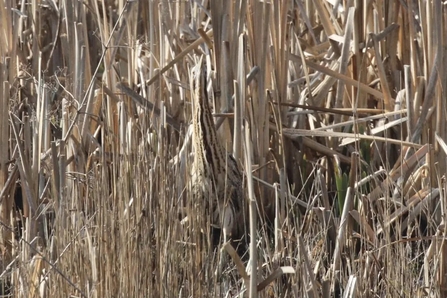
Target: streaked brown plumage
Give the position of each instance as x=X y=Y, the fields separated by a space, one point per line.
x=216 y=178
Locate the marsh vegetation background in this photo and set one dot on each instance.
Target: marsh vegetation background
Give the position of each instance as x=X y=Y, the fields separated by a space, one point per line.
x=344 y=105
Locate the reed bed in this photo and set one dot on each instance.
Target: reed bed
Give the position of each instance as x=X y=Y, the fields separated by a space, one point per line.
x=334 y=110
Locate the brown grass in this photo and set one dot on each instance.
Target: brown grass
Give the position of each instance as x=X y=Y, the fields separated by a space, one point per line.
x=335 y=110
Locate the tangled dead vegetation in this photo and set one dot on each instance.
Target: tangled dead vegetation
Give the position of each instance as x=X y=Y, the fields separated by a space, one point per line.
x=333 y=113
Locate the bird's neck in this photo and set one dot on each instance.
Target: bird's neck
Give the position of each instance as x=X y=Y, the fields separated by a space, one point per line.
x=209 y=153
